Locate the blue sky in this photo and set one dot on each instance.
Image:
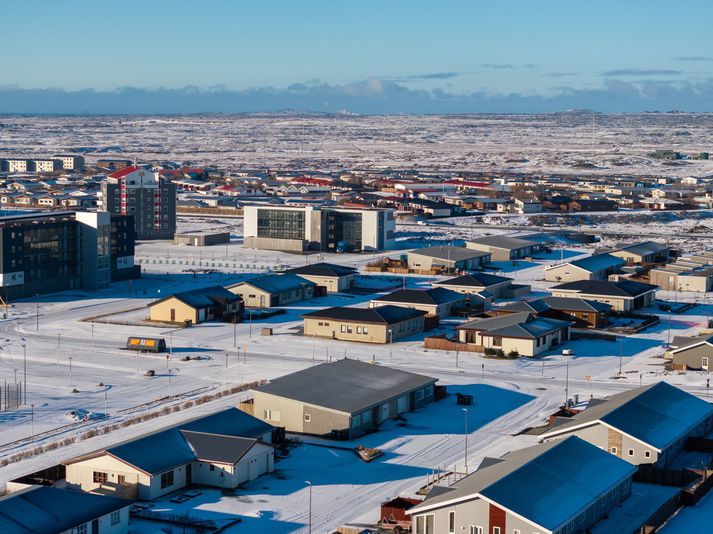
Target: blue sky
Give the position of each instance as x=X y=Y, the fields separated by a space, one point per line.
x=366 y=56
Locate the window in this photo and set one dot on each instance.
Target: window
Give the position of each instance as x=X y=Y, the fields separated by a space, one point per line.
x=81 y=529
x=419 y=394
x=451 y=522
x=99 y=477
x=115 y=517
x=425 y=524
x=356 y=421
x=308 y=418
x=613 y=450
x=497 y=342
x=121 y=479
x=272 y=415
x=344 y=328
x=496 y=530
x=212 y=467
x=474 y=529
x=647 y=454
x=167 y=479
x=365 y=330
x=516 y=531
x=358 y=329
x=366 y=417
x=631 y=452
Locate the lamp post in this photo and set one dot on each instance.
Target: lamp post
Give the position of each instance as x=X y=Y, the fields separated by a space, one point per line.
x=465 y=459
x=621 y=352
x=309 y=514
x=391 y=344
x=24 y=379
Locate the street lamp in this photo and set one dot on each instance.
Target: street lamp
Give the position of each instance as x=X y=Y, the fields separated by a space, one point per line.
x=465 y=410
x=391 y=344
x=309 y=516
x=24 y=379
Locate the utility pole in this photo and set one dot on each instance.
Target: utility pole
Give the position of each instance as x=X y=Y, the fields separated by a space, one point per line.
x=566 y=384
x=482 y=372
x=24 y=359
x=309 y=516
x=465 y=410
x=314 y=346
x=250 y=314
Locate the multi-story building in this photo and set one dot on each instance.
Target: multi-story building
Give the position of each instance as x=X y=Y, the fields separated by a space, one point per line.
x=45 y=165
x=305 y=228
x=72 y=162
x=142 y=193
x=56 y=251
x=17 y=165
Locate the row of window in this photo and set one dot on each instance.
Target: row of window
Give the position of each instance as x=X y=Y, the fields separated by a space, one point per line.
x=629 y=452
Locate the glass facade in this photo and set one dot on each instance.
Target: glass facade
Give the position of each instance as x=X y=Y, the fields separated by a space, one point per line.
x=50 y=251
x=281 y=224
x=344 y=227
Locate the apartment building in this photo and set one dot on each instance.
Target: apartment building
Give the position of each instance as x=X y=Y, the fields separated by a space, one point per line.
x=73 y=162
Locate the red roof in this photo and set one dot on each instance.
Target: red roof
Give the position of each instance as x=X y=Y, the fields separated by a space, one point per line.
x=314 y=181
x=467 y=183
x=123 y=172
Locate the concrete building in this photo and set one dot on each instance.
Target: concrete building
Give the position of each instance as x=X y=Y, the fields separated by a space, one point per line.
x=437 y=301
x=691 y=352
x=202 y=239
x=223 y=450
x=142 y=193
x=18 y=165
x=681 y=277
x=477 y=282
x=597 y=267
x=70 y=162
x=45 y=165
x=197 y=306
x=342 y=399
x=447 y=258
x=522 y=333
x=328 y=277
x=646 y=425
x=581 y=312
x=273 y=290
x=624 y=295
x=56 y=251
x=555 y=488
x=367 y=325
x=36 y=509
x=306 y=228
x=504 y=248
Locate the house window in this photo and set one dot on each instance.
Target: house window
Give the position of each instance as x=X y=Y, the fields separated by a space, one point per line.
x=365 y=330
x=631 y=452
x=115 y=517
x=356 y=421
x=647 y=454
x=308 y=418
x=613 y=450
x=344 y=328
x=272 y=415
x=212 y=467
x=474 y=529
x=121 y=479
x=358 y=329
x=99 y=477
x=167 y=479
x=496 y=530
x=497 y=342
x=366 y=417
x=419 y=394
x=451 y=522
x=516 y=531
x=349 y=329
x=81 y=529
x=425 y=524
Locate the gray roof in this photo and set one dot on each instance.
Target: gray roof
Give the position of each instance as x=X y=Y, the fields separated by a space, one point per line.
x=518 y=325
x=645 y=248
x=548 y=484
x=165 y=449
x=505 y=242
x=598 y=262
x=348 y=386
x=276 y=283
x=204 y=297
x=622 y=288
x=557 y=303
x=380 y=315
x=433 y=296
x=48 y=510
x=323 y=269
x=217 y=447
x=476 y=279
x=448 y=252
x=657 y=414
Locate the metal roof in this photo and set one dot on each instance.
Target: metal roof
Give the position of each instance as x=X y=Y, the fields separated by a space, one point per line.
x=380 y=315
x=504 y=242
x=476 y=279
x=520 y=325
x=276 y=283
x=48 y=510
x=548 y=484
x=657 y=414
x=204 y=297
x=449 y=253
x=557 y=303
x=596 y=263
x=323 y=269
x=433 y=296
x=218 y=448
x=348 y=386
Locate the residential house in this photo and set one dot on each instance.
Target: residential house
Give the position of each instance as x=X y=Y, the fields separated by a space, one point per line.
x=522 y=333
x=527 y=205
x=196 y=306
x=273 y=290
x=504 y=248
x=646 y=425
x=367 y=325
x=624 y=295
x=38 y=509
x=342 y=399
x=555 y=488
x=581 y=312
x=477 y=282
x=597 y=267
x=224 y=449
x=643 y=252
x=328 y=277
x=447 y=258
x=691 y=352
x=437 y=301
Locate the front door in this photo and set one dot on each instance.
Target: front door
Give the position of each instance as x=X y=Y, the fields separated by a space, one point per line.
x=173 y=315
x=704 y=363
x=402 y=404
x=385 y=411
x=189 y=474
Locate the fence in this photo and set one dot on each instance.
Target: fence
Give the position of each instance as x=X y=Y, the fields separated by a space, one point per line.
x=660 y=516
x=11 y=396
x=442 y=343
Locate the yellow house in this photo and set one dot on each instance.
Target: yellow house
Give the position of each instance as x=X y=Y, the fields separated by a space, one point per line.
x=196 y=306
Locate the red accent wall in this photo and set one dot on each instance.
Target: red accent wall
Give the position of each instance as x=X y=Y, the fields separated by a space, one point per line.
x=497 y=519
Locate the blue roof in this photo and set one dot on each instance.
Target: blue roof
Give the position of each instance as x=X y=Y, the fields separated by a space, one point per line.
x=560 y=483
x=277 y=283
x=599 y=262
x=48 y=510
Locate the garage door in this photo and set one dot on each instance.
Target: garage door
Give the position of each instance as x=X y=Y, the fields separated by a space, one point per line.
x=402 y=404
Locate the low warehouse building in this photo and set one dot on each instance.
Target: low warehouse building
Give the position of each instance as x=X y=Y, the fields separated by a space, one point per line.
x=447 y=258
x=367 y=325
x=342 y=399
x=202 y=239
x=196 y=306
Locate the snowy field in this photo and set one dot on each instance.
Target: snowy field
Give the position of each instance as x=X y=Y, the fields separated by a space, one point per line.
x=65 y=351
